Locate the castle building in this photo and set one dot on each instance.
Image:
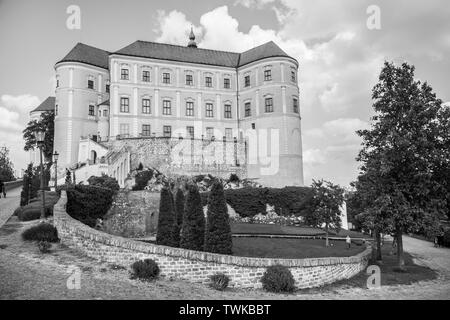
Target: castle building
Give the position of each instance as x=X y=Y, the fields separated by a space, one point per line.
x=150 y=90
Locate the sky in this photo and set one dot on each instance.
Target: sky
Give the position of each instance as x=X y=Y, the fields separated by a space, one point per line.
x=341 y=46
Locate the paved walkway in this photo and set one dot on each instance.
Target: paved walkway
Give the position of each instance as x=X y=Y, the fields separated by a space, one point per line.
x=9 y=204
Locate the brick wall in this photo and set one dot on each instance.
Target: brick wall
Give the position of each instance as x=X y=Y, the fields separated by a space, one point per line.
x=197 y=266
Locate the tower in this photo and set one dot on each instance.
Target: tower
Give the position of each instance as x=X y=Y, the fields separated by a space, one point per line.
x=192 y=43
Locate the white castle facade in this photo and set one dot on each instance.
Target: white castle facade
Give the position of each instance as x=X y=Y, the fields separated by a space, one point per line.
x=152 y=90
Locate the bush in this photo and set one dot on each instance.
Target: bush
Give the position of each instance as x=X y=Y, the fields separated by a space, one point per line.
x=219 y=281
x=447 y=238
x=41 y=232
x=193 y=228
x=88 y=203
x=179 y=210
x=278 y=278
x=166 y=219
x=44 y=246
x=218 y=232
x=104 y=181
x=141 y=179
x=288 y=201
x=145 y=269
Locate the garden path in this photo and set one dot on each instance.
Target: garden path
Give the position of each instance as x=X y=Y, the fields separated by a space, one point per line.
x=9 y=204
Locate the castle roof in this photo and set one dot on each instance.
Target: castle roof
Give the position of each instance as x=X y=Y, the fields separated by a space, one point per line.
x=47 y=105
x=163 y=51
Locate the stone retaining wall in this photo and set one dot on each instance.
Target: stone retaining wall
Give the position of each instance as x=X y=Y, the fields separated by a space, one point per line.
x=196 y=266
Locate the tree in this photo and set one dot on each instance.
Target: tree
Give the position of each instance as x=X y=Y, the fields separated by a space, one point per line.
x=26 y=185
x=166 y=219
x=68 y=177
x=403 y=155
x=193 y=228
x=47 y=124
x=179 y=211
x=328 y=198
x=218 y=232
x=6 y=165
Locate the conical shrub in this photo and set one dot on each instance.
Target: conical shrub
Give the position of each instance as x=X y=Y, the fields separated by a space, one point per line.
x=193 y=227
x=179 y=211
x=166 y=219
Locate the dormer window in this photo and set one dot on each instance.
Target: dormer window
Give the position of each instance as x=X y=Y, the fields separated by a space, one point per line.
x=124 y=74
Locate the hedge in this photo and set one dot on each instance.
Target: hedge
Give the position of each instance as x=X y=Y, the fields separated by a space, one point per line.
x=248 y=202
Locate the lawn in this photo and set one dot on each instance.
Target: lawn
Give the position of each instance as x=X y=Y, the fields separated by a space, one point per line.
x=291 y=248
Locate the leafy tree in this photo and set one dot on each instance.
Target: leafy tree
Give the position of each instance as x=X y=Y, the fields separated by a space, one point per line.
x=193 y=228
x=328 y=198
x=47 y=124
x=218 y=232
x=142 y=178
x=26 y=186
x=6 y=165
x=179 y=211
x=404 y=155
x=166 y=219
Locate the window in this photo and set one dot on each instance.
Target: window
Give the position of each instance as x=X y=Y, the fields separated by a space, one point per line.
x=167 y=107
x=190 y=132
x=267 y=75
x=228 y=133
x=209 y=110
x=189 y=109
x=295 y=105
x=146 y=106
x=248 y=110
x=189 y=80
x=124 y=104
x=146 y=76
x=124 y=129
x=208 y=82
x=105 y=113
x=226 y=83
x=293 y=77
x=247 y=81
x=227 y=111
x=209 y=133
x=56 y=110
x=124 y=74
x=91 y=110
x=269 y=105
x=107 y=88
x=146 y=130
x=167 y=131
x=57 y=83
x=90 y=84
x=166 y=77
x=253 y=126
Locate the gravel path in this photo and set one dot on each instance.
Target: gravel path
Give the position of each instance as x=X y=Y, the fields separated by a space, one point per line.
x=9 y=204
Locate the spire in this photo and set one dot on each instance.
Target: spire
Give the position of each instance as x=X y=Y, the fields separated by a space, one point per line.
x=192 y=43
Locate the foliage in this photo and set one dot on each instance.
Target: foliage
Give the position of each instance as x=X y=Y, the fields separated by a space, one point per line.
x=233 y=178
x=104 y=181
x=47 y=124
x=328 y=198
x=142 y=178
x=179 y=211
x=219 y=281
x=166 y=219
x=68 y=177
x=218 y=233
x=193 y=227
x=278 y=278
x=404 y=160
x=145 y=270
x=41 y=232
x=6 y=165
x=88 y=203
x=32 y=211
x=44 y=246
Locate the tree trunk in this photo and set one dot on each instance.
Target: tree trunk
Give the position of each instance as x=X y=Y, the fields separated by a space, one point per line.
x=327 y=243
x=378 y=240
x=400 y=259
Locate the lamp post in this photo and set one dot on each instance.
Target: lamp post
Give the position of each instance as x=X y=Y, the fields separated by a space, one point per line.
x=40 y=136
x=55 y=158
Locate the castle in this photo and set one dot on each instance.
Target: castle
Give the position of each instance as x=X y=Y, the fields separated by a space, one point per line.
x=110 y=106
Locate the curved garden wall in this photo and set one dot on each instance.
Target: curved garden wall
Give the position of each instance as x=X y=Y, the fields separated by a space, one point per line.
x=197 y=266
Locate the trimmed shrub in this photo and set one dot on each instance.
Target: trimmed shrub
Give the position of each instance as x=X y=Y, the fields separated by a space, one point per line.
x=41 y=232
x=218 y=232
x=88 y=203
x=288 y=201
x=141 y=179
x=219 y=281
x=104 y=181
x=145 y=270
x=193 y=228
x=44 y=246
x=447 y=238
x=278 y=278
x=179 y=210
x=166 y=219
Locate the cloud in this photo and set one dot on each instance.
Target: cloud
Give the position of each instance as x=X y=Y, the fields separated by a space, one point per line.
x=22 y=103
x=174 y=28
x=9 y=120
x=339 y=131
x=313 y=157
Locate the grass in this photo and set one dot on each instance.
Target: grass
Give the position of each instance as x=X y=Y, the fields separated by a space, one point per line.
x=291 y=248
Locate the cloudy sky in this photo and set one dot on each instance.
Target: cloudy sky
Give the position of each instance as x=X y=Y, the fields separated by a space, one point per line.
x=340 y=57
